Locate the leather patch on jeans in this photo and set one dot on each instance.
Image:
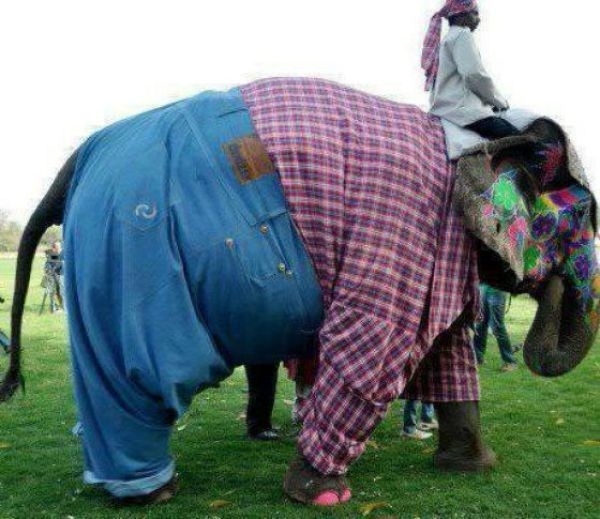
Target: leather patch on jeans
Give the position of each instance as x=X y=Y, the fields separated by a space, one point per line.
x=248 y=158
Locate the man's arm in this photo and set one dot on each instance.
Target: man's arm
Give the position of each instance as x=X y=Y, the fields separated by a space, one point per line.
x=468 y=61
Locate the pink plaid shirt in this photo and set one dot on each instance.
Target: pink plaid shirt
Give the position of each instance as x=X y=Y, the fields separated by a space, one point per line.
x=369 y=186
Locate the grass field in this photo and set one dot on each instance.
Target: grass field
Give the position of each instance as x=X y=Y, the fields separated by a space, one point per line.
x=546 y=434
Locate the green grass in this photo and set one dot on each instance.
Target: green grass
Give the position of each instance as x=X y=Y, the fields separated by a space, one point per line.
x=540 y=429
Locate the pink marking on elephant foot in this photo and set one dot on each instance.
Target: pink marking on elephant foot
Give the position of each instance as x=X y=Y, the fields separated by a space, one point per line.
x=330 y=498
x=327 y=498
x=306 y=485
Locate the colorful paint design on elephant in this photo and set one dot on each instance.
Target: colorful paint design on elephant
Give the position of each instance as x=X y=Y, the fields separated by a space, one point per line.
x=506 y=214
x=550 y=162
x=554 y=234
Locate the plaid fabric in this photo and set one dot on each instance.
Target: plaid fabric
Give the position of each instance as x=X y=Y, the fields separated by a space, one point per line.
x=368 y=185
x=431 y=46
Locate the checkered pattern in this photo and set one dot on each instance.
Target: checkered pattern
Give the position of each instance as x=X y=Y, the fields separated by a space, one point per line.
x=368 y=185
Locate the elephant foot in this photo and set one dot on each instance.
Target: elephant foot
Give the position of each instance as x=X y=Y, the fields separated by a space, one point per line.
x=461 y=461
x=460 y=447
x=160 y=495
x=306 y=485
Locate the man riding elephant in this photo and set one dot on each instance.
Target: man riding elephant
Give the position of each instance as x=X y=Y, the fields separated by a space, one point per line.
x=462 y=91
x=253 y=225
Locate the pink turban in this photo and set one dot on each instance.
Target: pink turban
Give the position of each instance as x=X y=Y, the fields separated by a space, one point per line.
x=431 y=48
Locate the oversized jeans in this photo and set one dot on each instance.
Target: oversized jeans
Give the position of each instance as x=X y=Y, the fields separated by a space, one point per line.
x=177 y=269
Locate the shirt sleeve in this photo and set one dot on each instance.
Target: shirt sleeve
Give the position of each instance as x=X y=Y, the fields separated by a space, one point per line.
x=469 y=65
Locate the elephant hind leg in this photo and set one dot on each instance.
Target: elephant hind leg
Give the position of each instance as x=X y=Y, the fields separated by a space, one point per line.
x=460 y=447
x=160 y=495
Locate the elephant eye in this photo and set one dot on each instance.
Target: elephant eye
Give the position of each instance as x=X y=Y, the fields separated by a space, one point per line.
x=528 y=186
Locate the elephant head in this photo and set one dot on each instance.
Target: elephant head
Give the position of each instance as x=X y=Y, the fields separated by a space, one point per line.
x=528 y=203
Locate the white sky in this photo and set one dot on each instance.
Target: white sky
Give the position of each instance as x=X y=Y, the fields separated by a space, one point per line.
x=70 y=67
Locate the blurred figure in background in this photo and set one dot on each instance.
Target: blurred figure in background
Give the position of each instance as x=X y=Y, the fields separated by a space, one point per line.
x=53 y=278
x=414 y=430
x=493 y=309
x=262 y=385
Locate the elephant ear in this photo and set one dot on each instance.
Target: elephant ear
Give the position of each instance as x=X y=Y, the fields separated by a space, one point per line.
x=577 y=172
x=493 y=193
x=497 y=185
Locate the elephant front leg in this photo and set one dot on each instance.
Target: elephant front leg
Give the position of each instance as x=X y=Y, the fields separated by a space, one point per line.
x=306 y=485
x=460 y=447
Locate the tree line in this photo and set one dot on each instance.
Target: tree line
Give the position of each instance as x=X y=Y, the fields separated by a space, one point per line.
x=11 y=231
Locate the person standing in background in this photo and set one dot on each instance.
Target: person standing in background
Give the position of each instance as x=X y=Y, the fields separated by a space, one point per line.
x=414 y=430
x=493 y=308
x=262 y=385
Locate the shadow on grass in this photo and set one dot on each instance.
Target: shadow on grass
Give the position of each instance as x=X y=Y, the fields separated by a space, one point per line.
x=546 y=434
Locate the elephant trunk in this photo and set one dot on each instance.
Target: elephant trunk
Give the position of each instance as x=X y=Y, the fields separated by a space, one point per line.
x=561 y=333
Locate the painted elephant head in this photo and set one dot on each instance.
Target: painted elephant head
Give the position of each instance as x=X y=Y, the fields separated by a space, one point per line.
x=528 y=202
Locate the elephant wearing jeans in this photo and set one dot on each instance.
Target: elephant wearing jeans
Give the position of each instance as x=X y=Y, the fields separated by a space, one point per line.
x=252 y=226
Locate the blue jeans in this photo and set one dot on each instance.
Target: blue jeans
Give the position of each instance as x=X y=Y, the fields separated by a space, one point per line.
x=410 y=414
x=493 y=305
x=178 y=268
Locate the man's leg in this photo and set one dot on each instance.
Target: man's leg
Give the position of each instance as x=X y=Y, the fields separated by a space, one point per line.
x=497 y=307
x=428 y=420
x=60 y=291
x=262 y=384
x=481 y=328
x=53 y=292
x=494 y=128
x=410 y=416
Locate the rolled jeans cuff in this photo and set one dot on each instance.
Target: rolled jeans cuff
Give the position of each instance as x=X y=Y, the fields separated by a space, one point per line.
x=133 y=487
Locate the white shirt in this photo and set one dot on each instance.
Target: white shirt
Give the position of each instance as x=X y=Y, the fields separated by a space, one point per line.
x=463 y=92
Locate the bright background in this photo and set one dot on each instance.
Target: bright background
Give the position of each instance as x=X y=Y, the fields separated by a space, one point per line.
x=71 y=67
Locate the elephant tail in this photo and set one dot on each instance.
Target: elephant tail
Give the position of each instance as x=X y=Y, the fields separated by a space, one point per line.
x=50 y=211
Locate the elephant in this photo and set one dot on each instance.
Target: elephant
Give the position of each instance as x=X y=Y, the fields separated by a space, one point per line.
x=292 y=218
